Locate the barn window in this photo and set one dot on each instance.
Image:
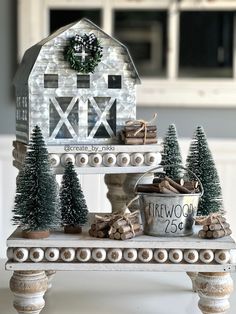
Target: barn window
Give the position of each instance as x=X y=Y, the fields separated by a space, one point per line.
x=50 y=80
x=83 y=81
x=114 y=81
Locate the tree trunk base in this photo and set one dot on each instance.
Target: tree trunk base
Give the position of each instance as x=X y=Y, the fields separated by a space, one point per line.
x=35 y=234
x=72 y=229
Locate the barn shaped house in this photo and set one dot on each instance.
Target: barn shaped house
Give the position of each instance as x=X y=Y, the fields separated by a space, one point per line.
x=72 y=107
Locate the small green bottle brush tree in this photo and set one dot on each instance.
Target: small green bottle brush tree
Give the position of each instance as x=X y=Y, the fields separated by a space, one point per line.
x=171 y=154
x=74 y=210
x=36 y=206
x=200 y=161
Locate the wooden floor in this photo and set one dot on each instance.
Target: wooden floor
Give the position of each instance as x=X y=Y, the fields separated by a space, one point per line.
x=114 y=293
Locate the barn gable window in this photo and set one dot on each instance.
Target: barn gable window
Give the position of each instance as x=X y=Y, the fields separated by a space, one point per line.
x=50 y=80
x=83 y=81
x=114 y=81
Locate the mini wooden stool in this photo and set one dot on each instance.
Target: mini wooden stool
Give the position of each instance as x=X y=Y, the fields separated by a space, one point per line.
x=207 y=262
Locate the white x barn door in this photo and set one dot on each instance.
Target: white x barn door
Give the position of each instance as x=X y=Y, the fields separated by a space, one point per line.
x=82 y=118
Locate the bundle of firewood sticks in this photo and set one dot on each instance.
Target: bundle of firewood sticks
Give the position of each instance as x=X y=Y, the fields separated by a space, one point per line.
x=214 y=226
x=117 y=226
x=166 y=185
x=138 y=132
x=134 y=135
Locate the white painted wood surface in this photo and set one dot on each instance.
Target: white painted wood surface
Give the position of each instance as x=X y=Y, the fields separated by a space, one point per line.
x=119 y=267
x=59 y=239
x=106 y=254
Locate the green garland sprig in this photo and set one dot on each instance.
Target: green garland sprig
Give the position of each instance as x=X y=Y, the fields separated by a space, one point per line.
x=90 y=45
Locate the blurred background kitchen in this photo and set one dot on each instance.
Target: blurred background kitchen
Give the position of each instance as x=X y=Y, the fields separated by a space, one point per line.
x=184 y=51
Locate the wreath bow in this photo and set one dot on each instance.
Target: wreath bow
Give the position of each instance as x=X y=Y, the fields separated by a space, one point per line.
x=88 y=41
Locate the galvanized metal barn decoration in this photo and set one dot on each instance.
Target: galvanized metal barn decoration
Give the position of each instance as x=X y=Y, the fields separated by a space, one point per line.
x=81 y=104
x=79 y=86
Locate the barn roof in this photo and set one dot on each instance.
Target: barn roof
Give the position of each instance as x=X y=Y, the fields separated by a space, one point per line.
x=30 y=56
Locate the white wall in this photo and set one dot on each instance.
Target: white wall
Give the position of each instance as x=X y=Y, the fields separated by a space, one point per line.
x=224 y=152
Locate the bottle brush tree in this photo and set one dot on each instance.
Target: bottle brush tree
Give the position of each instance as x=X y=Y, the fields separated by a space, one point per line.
x=171 y=154
x=73 y=206
x=36 y=190
x=200 y=161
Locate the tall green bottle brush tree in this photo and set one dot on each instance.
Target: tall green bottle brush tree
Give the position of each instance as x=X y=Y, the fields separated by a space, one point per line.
x=36 y=206
x=171 y=154
x=73 y=206
x=200 y=161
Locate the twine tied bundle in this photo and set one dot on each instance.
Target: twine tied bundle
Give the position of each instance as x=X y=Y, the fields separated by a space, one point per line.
x=115 y=217
x=120 y=225
x=208 y=220
x=127 y=217
x=143 y=125
x=214 y=226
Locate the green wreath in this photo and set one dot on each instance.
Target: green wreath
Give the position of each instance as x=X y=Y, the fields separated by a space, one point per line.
x=83 y=53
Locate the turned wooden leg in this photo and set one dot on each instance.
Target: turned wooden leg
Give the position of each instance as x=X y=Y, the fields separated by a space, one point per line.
x=121 y=189
x=28 y=288
x=116 y=194
x=193 y=276
x=129 y=186
x=214 y=290
x=50 y=274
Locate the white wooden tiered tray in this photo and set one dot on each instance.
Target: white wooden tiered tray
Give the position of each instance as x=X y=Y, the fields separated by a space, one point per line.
x=34 y=262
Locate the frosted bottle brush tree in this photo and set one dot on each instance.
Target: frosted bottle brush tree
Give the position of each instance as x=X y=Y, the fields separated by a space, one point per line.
x=74 y=210
x=171 y=154
x=200 y=161
x=35 y=209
